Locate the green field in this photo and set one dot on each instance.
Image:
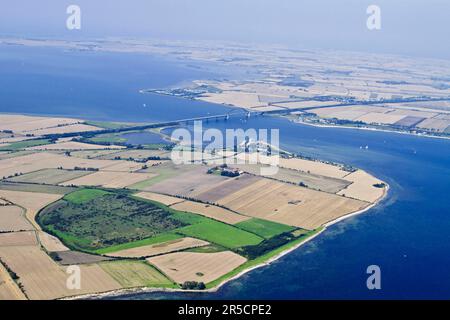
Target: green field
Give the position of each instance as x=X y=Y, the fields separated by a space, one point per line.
x=211 y=230
x=84 y=195
x=108 y=138
x=261 y=259
x=108 y=125
x=92 y=219
x=208 y=249
x=221 y=234
x=25 y=144
x=264 y=228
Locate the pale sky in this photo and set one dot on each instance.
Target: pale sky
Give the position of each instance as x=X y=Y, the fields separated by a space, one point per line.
x=412 y=27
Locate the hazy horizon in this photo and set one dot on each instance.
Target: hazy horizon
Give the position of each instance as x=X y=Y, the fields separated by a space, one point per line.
x=414 y=27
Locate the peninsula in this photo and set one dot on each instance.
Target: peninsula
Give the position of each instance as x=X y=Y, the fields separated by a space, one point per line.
x=129 y=218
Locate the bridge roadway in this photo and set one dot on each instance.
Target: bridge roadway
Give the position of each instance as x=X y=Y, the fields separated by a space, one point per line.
x=242 y=112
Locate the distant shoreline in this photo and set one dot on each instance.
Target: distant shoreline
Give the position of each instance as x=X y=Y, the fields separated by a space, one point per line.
x=365 y=128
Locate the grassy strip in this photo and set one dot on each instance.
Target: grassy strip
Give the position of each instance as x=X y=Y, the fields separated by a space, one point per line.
x=264 y=228
x=208 y=249
x=107 y=138
x=155 y=146
x=108 y=125
x=72 y=242
x=210 y=230
x=25 y=144
x=261 y=259
x=164 y=237
x=221 y=234
x=84 y=195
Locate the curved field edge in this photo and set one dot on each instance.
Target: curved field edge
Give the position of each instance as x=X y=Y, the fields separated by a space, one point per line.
x=216 y=284
x=193 y=222
x=244 y=268
x=286 y=248
x=251 y=264
x=262 y=260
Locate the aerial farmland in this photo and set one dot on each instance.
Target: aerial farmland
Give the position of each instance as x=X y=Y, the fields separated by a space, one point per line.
x=129 y=218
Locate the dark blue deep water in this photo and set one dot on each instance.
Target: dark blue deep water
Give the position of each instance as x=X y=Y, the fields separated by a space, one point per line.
x=408 y=235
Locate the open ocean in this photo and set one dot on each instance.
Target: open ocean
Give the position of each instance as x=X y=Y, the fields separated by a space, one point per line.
x=407 y=235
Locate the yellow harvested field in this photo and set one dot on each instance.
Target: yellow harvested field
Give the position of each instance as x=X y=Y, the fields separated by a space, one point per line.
x=445 y=116
x=24 y=164
x=137 y=154
x=45 y=160
x=12 y=218
x=347 y=113
x=267 y=108
x=155 y=163
x=44 y=279
x=290 y=204
x=380 y=118
x=427 y=106
x=25 y=124
x=95 y=279
x=65 y=129
x=210 y=211
x=91 y=154
x=305 y=104
x=51 y=243
x=438 y=125
x=121 y=165
x=194 y=266
x=414 y=113
x=160 y=248
x=314 y=167
x=8 y=288
x=31 y=201
x=235 y=98
x=166 y=200
x=350 y=111
x=72 y=145
x=11 y=239
x=362 y=187
x=110 y=179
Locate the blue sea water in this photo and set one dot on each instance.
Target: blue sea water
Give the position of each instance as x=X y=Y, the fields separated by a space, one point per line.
x=408 y=235
x=142 y=138
x=98 y=86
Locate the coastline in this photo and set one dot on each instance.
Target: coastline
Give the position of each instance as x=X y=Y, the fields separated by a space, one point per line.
x=130 y=291
x=215 y=288
x=366 y=129
x=322 y=125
